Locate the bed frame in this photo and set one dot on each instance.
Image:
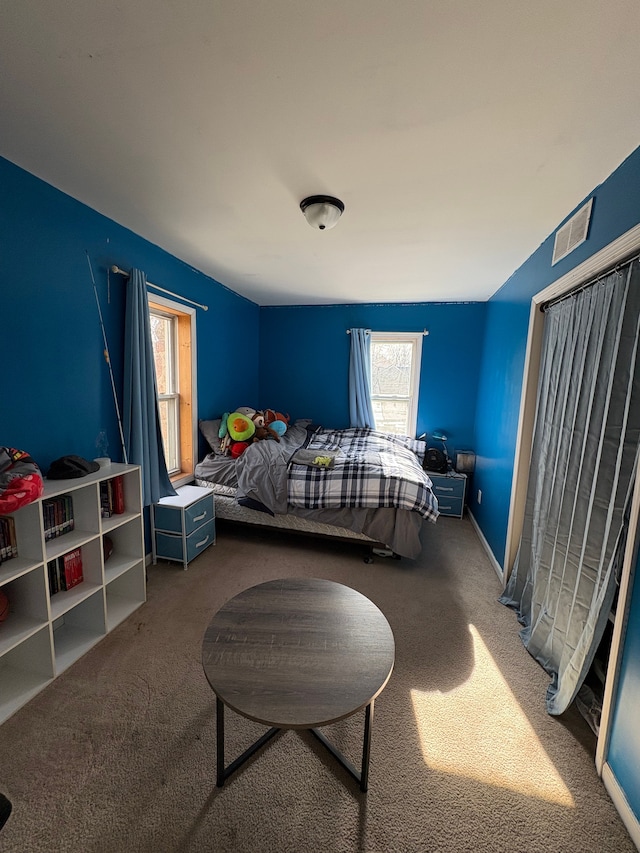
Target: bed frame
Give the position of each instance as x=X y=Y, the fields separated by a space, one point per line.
x=228 y=509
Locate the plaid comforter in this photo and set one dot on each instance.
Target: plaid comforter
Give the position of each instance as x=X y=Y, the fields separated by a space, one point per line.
x=376 y=470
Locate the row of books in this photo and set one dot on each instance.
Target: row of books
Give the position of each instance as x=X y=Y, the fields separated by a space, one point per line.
x=8 y=541
x=65 y=571
x=57 y=514
x=112 y=496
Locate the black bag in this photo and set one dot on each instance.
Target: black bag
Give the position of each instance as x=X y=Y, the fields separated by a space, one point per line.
x=71 y=467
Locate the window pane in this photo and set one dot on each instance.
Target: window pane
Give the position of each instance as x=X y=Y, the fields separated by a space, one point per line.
x=169 y=427
x=391 y=369
x=161 y=341
x=392 y=416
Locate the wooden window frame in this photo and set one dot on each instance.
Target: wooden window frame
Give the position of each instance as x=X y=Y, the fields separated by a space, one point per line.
x=186 y=383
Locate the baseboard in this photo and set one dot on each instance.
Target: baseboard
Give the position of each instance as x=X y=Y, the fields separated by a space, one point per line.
x=496 y=565
x=620 y=802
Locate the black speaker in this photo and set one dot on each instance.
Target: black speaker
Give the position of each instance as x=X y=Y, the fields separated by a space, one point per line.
x=435 y=460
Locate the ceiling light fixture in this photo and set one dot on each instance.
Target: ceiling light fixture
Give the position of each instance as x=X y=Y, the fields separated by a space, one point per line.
x=322 y=211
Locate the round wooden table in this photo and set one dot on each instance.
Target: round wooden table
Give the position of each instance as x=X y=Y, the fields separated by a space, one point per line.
x=297 y=653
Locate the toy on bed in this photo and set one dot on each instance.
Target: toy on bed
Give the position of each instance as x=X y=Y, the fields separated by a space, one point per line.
x=262 y=430
x=270 y=415
x=236 y=428
x=244 y=426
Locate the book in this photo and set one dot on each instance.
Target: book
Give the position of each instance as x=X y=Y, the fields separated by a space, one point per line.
x=70 y=569
x=57 y=516
x=54 y=577
x=106 y=498
x=8 y=541
x=118 y=494
x=112 y=496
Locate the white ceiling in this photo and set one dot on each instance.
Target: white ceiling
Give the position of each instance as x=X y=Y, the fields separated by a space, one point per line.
x=457 y=134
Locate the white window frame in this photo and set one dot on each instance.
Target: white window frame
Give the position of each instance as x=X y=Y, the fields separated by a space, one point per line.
x=416 y=339
x=191 y=312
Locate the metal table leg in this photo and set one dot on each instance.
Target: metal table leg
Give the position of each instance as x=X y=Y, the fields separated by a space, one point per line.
x=362 y=776
x=223 y=772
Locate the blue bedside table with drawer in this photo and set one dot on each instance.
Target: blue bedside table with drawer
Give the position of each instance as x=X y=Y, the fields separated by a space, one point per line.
x=450 y=489
x=183 y=524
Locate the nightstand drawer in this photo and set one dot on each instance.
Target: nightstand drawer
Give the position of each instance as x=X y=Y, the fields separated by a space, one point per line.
x=198 y=514
x=170 y=518
x=448 y=487
x=169 y=545
x=450 y=506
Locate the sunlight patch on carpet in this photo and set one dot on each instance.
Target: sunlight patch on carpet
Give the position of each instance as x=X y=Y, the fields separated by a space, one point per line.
x=478 y=730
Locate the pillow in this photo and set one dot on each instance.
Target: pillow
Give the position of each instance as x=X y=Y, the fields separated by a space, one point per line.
x=209 y=430
x=20 y=479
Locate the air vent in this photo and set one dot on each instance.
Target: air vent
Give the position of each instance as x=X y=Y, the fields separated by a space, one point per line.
x=572 y=233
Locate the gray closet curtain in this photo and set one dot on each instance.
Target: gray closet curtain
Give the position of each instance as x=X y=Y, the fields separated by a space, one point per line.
x=580 y=482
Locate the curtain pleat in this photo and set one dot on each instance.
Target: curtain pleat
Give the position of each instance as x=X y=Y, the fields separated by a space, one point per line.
x=360 y=408
x=142 y=435
x=586 y=440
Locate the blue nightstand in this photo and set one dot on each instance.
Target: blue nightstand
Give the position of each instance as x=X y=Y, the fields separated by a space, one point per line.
x=183 y=525
x=450 y=489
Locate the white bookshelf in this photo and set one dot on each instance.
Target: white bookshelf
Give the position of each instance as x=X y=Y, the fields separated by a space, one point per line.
x=45 y=634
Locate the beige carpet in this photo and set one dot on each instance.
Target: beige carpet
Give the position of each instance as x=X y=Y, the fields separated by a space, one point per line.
x=118 y=754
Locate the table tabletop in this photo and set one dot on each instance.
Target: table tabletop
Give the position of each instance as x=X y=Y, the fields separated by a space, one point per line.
x=298 y=652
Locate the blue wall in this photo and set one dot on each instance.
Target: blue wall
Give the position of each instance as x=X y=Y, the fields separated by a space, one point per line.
x=56 y=394
x=615 y=211
x=304 y=360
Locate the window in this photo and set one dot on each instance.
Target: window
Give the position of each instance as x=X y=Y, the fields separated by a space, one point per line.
x=173 y=341
x=395 y=380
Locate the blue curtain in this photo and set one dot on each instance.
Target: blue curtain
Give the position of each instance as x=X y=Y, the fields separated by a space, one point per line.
x=142 y=435
x=360 y=409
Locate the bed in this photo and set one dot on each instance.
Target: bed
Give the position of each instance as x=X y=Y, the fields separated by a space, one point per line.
x=355 y=484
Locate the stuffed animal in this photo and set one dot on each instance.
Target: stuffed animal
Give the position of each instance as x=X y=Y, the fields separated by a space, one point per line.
x=245 y=425
x=235 y=428
x=279 y=426
x=262 y=430
x=240 y=426
x=265 y=432
x=270 y=415
x=238 y=448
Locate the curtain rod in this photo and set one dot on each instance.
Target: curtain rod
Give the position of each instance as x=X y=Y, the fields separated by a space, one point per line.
x=118 y=271
x=544 y=306
x=424 y=332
